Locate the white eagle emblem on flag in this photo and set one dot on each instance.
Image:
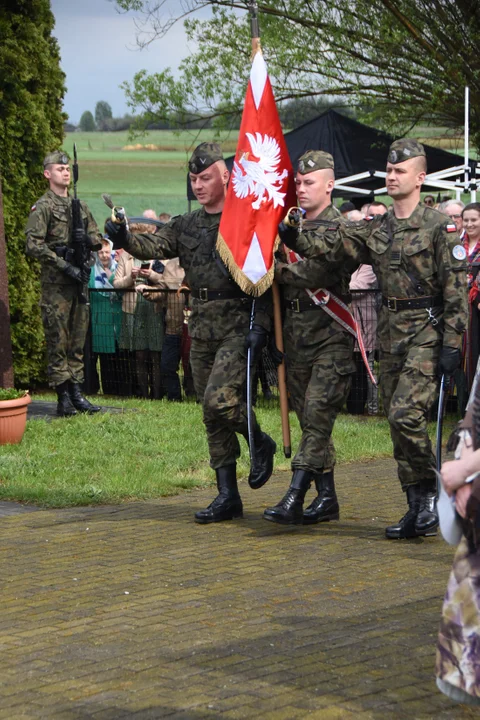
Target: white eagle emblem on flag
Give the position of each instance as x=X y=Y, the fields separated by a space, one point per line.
x=260 y=178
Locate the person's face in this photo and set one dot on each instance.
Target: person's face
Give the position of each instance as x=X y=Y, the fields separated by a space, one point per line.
x=377 y=210
x=209 y=186
x=314 y=189
x=455 y=212
x=58 y=175
x=471 y=223
x=404 y=178
x=429 y=200
x=104 y=255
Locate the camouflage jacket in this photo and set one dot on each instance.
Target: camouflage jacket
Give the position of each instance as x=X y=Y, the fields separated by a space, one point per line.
x=192 y=238
x=311 y=272
x=415 y=258
x=49 y=226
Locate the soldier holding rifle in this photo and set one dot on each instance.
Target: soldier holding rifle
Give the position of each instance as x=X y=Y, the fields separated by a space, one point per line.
x=63 y=249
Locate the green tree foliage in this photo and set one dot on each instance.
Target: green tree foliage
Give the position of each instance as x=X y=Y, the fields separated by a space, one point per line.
x=409 y=60
x=31 y=124
x=87 y=123
x=103 y=113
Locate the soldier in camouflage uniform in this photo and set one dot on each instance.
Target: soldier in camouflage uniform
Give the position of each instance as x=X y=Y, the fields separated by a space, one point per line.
x=421 y=269
x=218 y=326
x=65 y=319
x=319 y=350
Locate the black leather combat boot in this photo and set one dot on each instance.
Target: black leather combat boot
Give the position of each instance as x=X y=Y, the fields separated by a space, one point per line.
x=289 y=510
x=426 y=522
x=80 y=402
x=325 y=505
x=405 y=528
x=64 y=404
x=228 y=503
x=262 y=465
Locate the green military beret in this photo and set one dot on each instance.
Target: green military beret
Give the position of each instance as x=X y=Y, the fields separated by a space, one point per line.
x=203 y=156
x=315 y=160
x=57 y=157
x=401 y=150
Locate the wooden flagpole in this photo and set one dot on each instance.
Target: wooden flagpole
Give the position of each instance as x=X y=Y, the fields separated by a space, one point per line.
x=277 y=315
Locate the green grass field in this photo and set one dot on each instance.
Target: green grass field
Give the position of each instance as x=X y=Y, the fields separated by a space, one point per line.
x=110 y=458
x=137 y=178
x=144 y=178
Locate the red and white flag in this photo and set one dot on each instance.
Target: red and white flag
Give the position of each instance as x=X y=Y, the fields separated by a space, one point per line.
x=261 y=188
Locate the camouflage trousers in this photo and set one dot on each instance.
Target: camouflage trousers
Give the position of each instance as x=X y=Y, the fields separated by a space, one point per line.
x=65 y=322
x=408 y=385
x=318 y=386
x=219 y=369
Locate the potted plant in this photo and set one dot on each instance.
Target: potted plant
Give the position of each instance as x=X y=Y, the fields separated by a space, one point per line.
x=13 y=415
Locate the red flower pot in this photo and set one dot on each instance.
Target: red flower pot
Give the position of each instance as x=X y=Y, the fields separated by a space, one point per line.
x=13 y=419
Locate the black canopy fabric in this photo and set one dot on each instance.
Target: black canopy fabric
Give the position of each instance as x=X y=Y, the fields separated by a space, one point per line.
x=355 y=147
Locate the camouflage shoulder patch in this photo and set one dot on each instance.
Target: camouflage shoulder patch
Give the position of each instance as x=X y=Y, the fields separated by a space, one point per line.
x=34 y=207
x=451 y=228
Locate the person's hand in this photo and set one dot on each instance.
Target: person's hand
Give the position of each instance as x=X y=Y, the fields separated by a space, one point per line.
x=449 y=360
x=79 y=235
x=462 y=497
x=73 y=272
x=117 y=233
x=140 y=289
x=145 y=273
x=135 y=272
x=255 y=342
x=453 y=474
x=287 y=234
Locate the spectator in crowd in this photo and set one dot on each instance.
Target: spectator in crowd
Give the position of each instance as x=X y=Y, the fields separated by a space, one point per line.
x=459 y=635
x=164 y=217
x=142 y=322
x=454 y=209
x=171 y=278
x=355 y=215
x=471 y=243
x=106 y=320
x=377 y=208
x=364 y=309
x=151 y=214
x=429 y=200
x=346 y=207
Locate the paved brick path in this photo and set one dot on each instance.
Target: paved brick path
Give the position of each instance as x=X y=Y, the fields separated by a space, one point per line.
x=136 y=612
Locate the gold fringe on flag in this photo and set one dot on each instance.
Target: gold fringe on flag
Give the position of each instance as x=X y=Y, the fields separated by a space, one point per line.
x=244 y=282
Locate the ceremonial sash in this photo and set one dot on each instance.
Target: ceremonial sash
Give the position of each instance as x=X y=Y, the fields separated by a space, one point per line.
x=337 y=310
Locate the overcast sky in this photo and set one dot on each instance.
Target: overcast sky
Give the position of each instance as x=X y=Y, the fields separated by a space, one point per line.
x=98 y=52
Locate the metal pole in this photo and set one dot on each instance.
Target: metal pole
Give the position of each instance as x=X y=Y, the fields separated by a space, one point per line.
x=250 y=375
x=467 y=140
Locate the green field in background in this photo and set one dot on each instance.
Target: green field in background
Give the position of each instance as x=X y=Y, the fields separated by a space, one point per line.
x=137 y=179
x=157 y=178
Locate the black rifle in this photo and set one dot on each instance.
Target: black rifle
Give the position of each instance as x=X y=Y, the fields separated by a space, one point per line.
x=80 y=241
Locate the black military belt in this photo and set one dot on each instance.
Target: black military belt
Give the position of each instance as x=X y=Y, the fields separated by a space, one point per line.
x=206 y=294
x=426 y=301
x=299 y=305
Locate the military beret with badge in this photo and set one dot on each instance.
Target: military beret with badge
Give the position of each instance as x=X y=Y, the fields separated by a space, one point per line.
x=203 y=156
x=405 y=149
x=314 y=160
x=57 y=157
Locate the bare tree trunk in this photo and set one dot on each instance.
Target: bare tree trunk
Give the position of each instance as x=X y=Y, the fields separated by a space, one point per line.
x=6 y=362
